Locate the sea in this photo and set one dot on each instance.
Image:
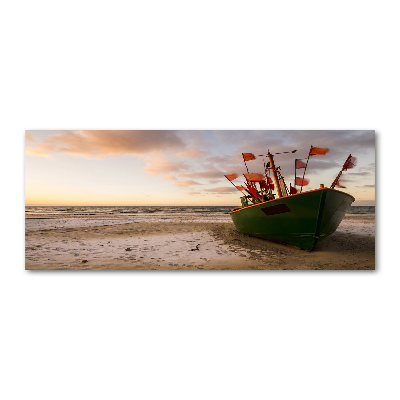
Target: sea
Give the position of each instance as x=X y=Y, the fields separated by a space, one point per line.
x=85 y=211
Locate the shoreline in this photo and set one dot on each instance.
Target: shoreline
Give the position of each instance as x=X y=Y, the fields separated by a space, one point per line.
x=186 y=242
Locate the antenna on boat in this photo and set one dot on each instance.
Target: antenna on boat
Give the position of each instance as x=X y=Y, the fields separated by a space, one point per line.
x=267 y=167
x=271 y=161
x=304 y=173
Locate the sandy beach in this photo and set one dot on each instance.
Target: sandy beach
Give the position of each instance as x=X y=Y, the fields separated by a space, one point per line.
x=182 y=242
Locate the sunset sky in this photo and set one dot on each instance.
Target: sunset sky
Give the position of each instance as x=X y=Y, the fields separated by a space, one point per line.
x=182 y=167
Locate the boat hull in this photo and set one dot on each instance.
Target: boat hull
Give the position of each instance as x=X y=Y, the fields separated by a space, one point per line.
x=302 y=219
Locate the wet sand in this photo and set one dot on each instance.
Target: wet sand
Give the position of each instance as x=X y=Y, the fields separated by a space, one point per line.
x=186 y=243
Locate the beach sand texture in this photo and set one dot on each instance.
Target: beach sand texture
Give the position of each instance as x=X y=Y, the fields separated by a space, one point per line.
x=186 y=243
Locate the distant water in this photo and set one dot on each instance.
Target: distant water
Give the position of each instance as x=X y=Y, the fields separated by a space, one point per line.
x=361 y=210
x=157 y=210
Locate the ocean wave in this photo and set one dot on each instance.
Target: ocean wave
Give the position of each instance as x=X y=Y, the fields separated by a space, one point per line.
x=158 y=210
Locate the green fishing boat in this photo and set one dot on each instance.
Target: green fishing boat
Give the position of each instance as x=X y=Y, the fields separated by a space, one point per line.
x=300 y=219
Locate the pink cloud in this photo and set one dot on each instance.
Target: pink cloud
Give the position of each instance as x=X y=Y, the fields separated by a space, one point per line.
x=100 y=144
x=191 y=153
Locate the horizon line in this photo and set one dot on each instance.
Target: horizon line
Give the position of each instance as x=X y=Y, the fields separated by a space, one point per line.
x=148 y=205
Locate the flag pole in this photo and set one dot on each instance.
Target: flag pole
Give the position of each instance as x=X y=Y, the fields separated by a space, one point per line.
x=246 y=190
x=233 y=184
x=271 y=162
x=306 y=167
x=245 y=163
x=295 y=169
x=340 y=173
x=249 y=183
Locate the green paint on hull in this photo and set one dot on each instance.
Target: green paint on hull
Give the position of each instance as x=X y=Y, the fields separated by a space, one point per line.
x=301 y=220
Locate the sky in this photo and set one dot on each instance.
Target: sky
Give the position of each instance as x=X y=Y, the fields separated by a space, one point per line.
x=148 y=167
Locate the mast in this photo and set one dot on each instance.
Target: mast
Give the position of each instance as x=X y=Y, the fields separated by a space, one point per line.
x=271 y=161
x=308 y=158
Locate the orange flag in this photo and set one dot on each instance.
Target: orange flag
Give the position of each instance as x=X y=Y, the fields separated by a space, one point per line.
x=248 y=156
x=256 y=177
x=241 y=188
x=231 y=177
x=318 y=150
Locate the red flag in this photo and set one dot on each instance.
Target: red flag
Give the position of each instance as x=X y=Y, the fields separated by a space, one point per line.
x=231 y=177
x=293 y=190
x=339 y=185
x=266 y=186
x=317 y=150
x=302 y=182
x=300 y=164
x=263 y=185
x=255 y=177
x=248 y=156
x=241 y=188
x=350 y=163
x=252 y=191
x=269 y=180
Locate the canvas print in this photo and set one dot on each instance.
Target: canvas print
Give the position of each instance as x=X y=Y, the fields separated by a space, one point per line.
x=199 y=200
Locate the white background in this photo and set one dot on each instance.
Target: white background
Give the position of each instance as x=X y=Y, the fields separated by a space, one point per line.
x=199 y=65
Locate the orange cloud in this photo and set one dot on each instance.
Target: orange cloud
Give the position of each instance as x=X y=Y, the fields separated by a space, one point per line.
x=221 y=190
x=159 y=164
x=34 y=152
x=210 y=173
x=180 y=182
x=184 y=183
x=100 y=144
x=170 y=177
